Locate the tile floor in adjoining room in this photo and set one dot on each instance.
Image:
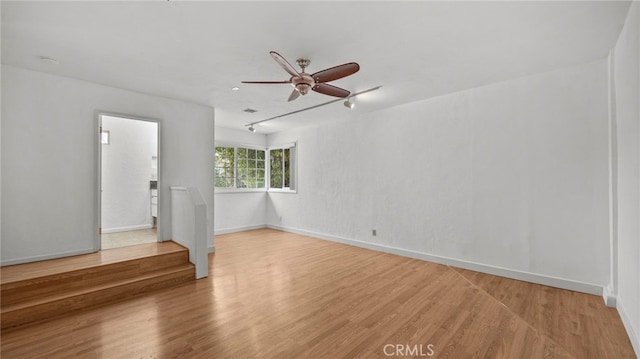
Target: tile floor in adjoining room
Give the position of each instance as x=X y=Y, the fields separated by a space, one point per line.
x=129 y=238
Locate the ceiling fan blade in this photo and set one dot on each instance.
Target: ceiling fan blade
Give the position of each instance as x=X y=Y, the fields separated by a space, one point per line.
x=285 y=65
x=331 y=90
x=294 y=95
x=336 y=72
x=266 y=82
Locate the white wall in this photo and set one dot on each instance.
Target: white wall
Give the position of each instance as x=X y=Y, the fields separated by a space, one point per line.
x=127 y=163
x=240 y=210
x=50 y=159
x=627 y=95
x=509 y=178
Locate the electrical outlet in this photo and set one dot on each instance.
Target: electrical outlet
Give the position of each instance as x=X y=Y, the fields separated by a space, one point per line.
x=373 y=232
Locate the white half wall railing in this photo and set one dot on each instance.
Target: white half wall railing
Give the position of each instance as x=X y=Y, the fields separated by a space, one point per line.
x=189 y=225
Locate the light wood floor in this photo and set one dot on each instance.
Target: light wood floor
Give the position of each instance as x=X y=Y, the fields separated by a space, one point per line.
x=279 y=295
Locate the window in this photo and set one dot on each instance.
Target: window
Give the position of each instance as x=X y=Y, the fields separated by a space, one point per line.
x=281 y=168
x=250 y=168
x=225 y=167
x=239 y=167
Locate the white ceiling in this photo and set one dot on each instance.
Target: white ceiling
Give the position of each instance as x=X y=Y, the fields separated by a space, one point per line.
x=198 y=51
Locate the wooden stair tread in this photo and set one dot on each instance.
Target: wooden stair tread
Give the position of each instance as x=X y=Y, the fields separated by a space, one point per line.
x=43 y=285
x=28 y=271
x=187 y=268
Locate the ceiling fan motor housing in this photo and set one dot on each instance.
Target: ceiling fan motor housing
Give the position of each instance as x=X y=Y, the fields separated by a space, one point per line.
x=303 y=83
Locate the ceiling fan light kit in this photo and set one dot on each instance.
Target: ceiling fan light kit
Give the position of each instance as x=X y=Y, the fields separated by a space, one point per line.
x=302 y=82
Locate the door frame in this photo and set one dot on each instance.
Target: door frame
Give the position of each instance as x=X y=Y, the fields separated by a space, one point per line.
x=97 y=240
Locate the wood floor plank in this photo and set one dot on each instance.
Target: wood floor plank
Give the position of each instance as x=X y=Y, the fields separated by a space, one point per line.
x=578 y=322
x=272 y=294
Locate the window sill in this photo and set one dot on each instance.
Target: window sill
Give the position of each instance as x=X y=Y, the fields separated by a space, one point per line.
x=278 y=190
x=239 y=190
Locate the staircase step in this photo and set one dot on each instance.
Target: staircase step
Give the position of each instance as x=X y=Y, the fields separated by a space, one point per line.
x=18 y=291
x=43 y=290
x=19 y=272
x=52 y=306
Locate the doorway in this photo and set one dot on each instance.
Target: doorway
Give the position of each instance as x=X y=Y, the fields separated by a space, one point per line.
x=129 y=195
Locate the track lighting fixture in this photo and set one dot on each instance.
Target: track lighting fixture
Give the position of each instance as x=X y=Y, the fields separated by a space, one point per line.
x=348 y=103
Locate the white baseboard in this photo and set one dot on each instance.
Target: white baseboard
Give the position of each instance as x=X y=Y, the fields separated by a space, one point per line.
x=239 y=229
x=211 y=249
x=126 y=229
x=479 y=267
x=626 y=321
x=44 y=257
x=608 y=297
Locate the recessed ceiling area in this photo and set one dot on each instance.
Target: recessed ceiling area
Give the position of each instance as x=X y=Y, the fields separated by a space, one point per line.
x=199 y=51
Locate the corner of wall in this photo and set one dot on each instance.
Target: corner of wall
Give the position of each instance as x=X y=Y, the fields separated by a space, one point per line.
x=624 y=92
x=627 y=322
x=609 y=292
x=610 y=300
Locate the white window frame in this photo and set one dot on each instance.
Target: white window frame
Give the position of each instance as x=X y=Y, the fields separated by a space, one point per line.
x=235 y=154
x=293 y=168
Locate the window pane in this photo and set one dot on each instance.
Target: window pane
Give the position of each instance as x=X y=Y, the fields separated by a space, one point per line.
x=224 y=166
x=286 y=167
x=276 y=168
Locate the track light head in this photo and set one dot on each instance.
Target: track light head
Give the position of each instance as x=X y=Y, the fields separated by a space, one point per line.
x=252 y=129
x=349 y=104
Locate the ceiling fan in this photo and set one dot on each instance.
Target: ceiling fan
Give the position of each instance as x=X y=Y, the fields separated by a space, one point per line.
x=302 y=81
